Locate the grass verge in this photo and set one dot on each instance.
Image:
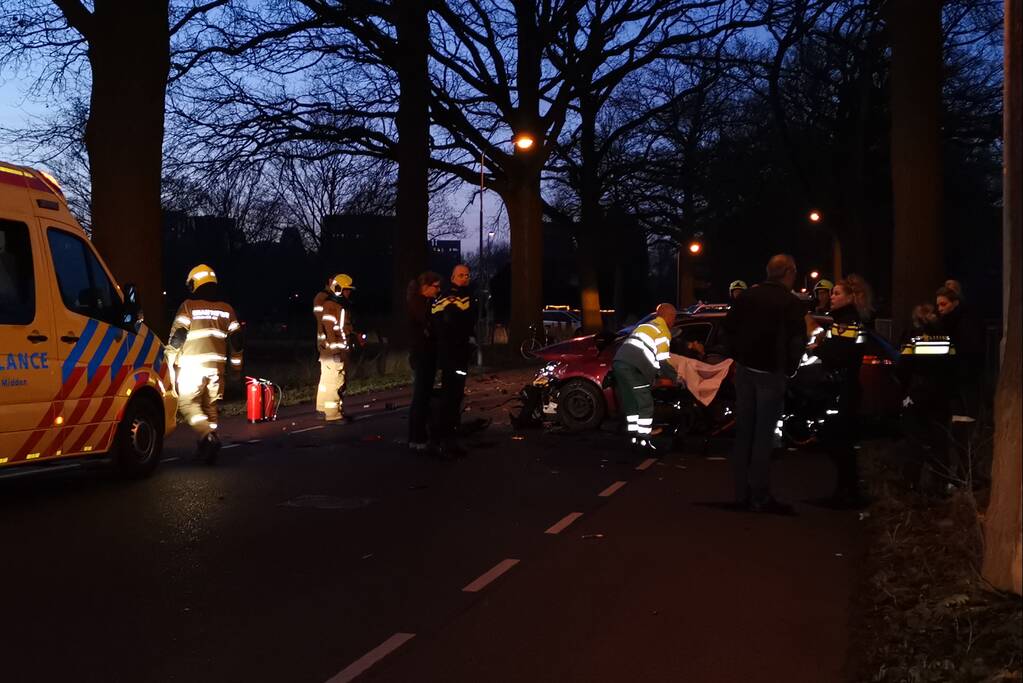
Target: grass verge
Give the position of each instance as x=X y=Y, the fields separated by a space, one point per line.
x=923 y=611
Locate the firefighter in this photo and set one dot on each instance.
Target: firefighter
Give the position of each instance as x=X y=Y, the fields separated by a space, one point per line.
x=204 y=336
x=736 y=289
x=822 y=297
x=333 y=332
x=640 y=360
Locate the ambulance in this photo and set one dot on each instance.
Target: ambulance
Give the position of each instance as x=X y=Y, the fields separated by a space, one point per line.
x=80 y=373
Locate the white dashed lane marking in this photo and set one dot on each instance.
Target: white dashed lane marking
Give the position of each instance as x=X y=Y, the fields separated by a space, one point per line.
x=482 y=582
x=645 y=464
x=612 y=489
x=363 y=663
x=230 y=445
x=307 y=429
x=171 y=459
x=564 y=522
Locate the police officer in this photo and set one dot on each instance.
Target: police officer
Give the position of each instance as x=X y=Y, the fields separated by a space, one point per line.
x=333 y=333
x=205 y=334
x=453 y=321
x=736 y=289
x=822 y=297
x=841 y=355
x=640 y=360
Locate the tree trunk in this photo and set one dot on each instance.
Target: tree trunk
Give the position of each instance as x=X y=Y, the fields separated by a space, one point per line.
x=413 y=123
x=129 y=52
x=917 y=250
x=686 y=279
x=1003 y=524
x=591 y=221
x=522 y=200
x=525 y=213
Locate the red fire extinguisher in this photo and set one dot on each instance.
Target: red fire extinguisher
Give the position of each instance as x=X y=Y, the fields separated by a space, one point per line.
x=262 y=399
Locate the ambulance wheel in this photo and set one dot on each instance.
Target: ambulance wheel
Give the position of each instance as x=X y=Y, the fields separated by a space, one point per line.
x=580 y=405
x=139 y=440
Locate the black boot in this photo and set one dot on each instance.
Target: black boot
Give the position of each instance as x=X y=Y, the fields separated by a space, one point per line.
x=211 y=448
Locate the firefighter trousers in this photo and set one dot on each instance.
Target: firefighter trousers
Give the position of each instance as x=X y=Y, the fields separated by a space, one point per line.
x=636 y=401
x=199 y=390
x=328 y=392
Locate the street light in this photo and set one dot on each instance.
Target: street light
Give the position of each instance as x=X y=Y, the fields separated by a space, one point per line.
x=695 y=247
x=815 y=216
x=523 y=141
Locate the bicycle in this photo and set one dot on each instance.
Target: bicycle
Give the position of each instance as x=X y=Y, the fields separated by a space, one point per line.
x=536 y=340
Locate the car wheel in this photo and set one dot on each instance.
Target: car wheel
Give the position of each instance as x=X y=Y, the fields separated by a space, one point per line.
x=139 y=441
x=580 y=405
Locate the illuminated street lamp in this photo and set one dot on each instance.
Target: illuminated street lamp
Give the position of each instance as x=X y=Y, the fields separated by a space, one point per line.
x=523 y=141
x=814 y=275
x=695 y=247
x=815 y=216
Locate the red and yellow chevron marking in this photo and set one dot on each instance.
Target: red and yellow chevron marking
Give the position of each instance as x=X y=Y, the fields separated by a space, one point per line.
x=99 y=401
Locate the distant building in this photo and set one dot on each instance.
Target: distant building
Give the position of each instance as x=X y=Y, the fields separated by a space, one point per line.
x=445 y=255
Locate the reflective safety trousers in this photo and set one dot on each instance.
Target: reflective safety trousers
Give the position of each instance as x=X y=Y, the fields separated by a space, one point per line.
x=328 y=392
x=199 y=391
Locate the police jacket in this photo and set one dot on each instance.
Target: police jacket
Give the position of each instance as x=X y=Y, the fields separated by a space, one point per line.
x=840 y=348
x=333 y=325
x=927 y=370
x=206 y=333
x=765 y=329
x=646 y=349
x=453 y=319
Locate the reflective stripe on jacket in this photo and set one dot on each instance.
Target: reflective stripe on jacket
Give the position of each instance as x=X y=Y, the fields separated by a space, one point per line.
x=646 y=349
x=333 y=325
x=206 y=326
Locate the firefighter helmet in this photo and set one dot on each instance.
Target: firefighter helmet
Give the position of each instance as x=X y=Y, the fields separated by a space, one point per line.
x=199 y=276
x=341 y=282
x=738 y=284
x=824 y=284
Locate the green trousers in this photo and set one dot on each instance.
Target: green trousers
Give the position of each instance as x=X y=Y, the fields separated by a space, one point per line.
x=635 y=399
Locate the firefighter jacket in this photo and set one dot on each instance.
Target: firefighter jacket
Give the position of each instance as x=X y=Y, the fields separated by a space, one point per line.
x=453 y=318
x=333 y=325
x=646 y=349
x=206 y=334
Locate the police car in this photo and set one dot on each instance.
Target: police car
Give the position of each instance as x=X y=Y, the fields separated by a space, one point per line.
x=80 y=374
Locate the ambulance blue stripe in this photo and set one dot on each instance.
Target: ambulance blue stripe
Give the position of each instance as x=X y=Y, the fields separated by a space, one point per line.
x=122 y=354
x=79 y=348
x=158 y=363
x=101 y=352
x=144 y=351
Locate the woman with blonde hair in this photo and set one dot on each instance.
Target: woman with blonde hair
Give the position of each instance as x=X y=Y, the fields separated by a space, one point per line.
x=841 y=353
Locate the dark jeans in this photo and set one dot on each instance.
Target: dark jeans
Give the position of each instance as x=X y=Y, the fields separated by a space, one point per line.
x=424 y=367
x=452 y=389
x=759 y=400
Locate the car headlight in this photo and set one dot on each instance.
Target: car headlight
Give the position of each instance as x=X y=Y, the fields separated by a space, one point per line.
x=544 y=376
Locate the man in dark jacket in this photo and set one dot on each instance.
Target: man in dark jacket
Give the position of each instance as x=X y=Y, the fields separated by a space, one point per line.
x=766 y=333
x=454 y=321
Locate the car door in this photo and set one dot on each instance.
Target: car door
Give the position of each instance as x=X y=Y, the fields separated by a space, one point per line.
x=93 y=347
x=28 y=382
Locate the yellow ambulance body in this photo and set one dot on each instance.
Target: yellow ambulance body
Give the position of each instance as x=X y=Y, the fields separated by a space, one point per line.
x=80 y=374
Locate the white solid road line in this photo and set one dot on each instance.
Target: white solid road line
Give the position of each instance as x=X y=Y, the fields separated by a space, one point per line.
x=645 y=464
x=482 y=582
x=610 y=490
x=307 y=429
x=363 y=663
x=565 y=521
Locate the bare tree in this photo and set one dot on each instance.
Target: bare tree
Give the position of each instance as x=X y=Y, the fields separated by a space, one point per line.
x=127 y=46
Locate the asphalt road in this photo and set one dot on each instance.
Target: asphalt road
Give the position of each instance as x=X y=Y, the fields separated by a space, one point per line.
x=314 y=553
